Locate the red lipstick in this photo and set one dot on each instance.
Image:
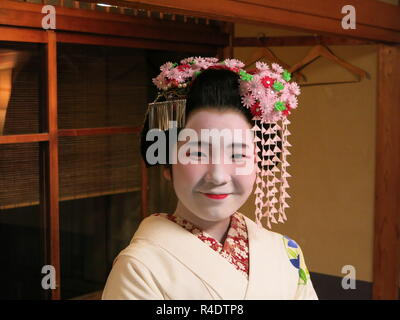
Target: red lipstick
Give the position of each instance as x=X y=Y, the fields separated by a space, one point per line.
x=216 y=196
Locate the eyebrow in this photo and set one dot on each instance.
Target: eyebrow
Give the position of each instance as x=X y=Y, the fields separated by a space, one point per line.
x=198 y=143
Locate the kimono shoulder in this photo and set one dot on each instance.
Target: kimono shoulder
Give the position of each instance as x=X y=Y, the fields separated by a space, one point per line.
x=285 y=260
x=164 y=261
x=171 y=270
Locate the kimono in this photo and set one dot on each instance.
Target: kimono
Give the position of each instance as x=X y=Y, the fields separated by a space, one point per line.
x=170 y=259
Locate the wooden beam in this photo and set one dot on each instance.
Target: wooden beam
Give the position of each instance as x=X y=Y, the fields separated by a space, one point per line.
x=22 y=35
x=40 y=36
x=374 y=20
x=366 y=10
x=102 y=40
x=53 y=175
x=94 y=22
x=24 y=138
x=74 y=197
x=288 y=41
x=40 y=137
x=387 y=176
x=97 y=131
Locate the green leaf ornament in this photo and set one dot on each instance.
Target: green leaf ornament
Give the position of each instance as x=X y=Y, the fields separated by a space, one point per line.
x=278 y=86
x=280 y=106
x=286 y=75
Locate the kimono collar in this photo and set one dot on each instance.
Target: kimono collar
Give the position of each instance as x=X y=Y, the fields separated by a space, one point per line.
x=208 y=264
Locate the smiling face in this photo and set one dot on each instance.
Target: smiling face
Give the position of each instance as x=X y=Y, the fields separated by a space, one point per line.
x=213 y=190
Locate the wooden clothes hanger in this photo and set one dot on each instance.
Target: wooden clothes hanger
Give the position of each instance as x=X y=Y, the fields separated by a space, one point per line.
x=322 y=51
x=263 y=52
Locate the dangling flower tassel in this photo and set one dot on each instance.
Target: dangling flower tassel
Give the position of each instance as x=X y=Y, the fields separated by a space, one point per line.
x=285 y=174
x=259 y=186
x=265 y=173
x=269 y=187
x=275 y=159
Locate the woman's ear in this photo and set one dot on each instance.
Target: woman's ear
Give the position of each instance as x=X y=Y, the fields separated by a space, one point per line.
x=167 y=173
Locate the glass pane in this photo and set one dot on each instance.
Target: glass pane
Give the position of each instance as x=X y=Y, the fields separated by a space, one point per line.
x=101 y=86
x=91 y=166
x=21 y=87
x=93 y=231
x=21 y=233
x=99 y=207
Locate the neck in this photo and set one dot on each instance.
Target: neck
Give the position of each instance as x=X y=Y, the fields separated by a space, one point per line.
x=217 y=229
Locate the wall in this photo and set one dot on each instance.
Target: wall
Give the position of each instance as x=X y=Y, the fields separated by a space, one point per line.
x=332 y=162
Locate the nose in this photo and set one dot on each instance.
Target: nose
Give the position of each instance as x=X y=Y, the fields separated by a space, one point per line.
x=217 y=174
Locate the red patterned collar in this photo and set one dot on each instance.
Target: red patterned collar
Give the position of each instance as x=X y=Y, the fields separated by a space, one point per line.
x=235 y=247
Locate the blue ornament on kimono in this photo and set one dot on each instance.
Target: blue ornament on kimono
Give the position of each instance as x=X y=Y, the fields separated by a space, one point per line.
x=296 y=258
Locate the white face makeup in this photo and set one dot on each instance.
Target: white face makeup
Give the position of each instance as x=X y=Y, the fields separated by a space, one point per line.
x=213 y=191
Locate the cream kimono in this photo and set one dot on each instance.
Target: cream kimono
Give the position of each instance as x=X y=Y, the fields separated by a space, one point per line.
x=165 y=261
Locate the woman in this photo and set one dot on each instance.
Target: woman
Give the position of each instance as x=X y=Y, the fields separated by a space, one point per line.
x=207 y=249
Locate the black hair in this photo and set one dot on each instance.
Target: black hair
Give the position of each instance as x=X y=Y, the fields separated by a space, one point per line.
x=213 y=89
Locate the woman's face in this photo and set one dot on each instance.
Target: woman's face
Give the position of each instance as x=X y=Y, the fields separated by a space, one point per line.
x=214 y=190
